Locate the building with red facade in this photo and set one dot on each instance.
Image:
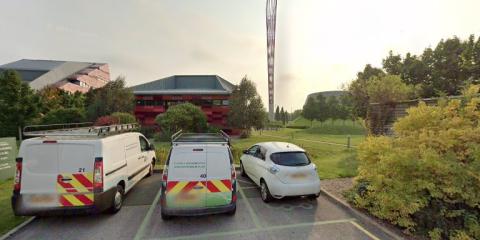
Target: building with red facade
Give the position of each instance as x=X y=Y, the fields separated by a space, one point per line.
x=210 y=92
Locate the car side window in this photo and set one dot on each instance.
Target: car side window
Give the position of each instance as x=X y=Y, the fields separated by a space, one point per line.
x=261 y=153
x=143 y=144
x=253 y=150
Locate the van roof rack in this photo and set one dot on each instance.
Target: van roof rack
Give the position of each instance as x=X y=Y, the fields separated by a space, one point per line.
x=77 y=129
x=185 y=138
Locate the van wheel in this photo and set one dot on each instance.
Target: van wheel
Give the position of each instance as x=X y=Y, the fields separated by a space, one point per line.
x=233 y=211
x=242 y=170
x=165 y=217
x=117 y=200
x=314 y=196
x=264 y=192
x=150 y=171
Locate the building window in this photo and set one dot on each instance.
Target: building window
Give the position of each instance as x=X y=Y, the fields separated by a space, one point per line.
x=217 y=102
x=225 y=102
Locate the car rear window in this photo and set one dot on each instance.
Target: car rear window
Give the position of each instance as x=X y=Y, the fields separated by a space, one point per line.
x=290 y=158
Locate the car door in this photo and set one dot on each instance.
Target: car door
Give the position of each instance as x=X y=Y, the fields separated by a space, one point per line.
x=258 y=163
x=247 y=159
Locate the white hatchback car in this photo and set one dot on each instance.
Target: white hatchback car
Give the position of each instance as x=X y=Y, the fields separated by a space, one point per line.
x=280 y=169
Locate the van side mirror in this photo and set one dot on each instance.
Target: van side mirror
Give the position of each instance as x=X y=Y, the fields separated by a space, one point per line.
x=246 y=152
x=151 y=147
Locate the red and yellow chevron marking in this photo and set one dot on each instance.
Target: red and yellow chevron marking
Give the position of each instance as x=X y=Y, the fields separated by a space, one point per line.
x=76 y=192
x=211 y=186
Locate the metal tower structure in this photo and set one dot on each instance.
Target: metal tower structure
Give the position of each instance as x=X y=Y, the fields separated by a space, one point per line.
x=271 y=24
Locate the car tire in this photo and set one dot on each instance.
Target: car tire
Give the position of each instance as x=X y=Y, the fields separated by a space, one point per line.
x=117 y=200
x=150 y=171
x=242 y=170
x=233 y=211
x=165 y=217
x=264 y=192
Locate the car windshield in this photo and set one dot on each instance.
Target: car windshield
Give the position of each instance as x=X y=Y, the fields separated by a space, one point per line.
x=290 y=158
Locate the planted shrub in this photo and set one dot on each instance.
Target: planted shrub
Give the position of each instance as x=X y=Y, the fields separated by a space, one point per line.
x=106 y=121
x=426 y=179
x=124 y=118
x=64 y=115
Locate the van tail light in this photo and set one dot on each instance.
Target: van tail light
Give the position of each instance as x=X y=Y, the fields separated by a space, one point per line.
x=17 y=182
x=165 y=174
x=98 y=175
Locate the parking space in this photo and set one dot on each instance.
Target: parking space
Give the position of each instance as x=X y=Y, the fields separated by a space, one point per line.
x=293 y=218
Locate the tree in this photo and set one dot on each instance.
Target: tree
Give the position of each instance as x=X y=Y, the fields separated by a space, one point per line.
x=309 y=111
x=277 y=114
x=113 y=97
x=388 y=89
x=185 y=116
x=282 y=116
x=64 y=115
x=246 y=107
x=393 y=64
x=18 y=103
x=358 y=89
x=53 y=98
x=321 y=106
x=297 y=113
x=332 y=107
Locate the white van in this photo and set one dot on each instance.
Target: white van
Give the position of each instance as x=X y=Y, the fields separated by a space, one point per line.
x=79 y=169
x=199 y=177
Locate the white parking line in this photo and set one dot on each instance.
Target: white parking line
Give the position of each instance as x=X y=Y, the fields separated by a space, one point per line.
x=364 y=230
x=141 y=230
x=256 y=230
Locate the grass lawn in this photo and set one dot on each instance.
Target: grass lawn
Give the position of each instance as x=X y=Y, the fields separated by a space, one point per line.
x=332 y=161
x=7 y=219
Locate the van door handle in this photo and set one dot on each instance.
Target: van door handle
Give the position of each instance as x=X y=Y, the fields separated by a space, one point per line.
x=203 y=175
x=198 y=187
x=66 y=179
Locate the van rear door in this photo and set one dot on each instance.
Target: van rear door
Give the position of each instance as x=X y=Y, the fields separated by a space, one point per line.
x=75 y=174
x=218 y=176
x=186 y=184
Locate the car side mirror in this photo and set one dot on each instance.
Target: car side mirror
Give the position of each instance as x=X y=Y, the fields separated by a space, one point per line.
x=245 y=152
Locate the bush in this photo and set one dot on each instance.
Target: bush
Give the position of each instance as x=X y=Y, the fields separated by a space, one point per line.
x=297 y=127
x=186 y=117
x=148 y=131
x=64 y=115
x=106 y=121
x=426 y=178
x=124 y=118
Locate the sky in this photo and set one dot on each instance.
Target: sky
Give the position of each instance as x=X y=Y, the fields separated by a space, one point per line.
x=321 y=45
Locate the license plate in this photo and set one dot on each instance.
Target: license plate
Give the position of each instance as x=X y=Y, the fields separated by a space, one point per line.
x=41 y=199
x=188 y=197
x=298 y=175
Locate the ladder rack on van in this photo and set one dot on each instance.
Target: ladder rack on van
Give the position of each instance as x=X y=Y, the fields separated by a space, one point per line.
x=206 y=138
x=76 y=129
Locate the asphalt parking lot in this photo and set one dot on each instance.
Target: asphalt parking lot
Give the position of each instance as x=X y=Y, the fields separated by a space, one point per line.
x=294 y=218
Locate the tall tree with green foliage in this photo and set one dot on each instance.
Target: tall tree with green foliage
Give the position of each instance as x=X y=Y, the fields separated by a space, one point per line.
x=310 y=110
x=332 y=107
x=277 y=114
x=322 y=110
x=113 y=97
x=282 y=116
x=185 y=116
x=358 y=89
x=18 y=103
x=246 y=107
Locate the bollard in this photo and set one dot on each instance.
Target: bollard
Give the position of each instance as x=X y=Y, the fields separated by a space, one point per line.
x=348 y=142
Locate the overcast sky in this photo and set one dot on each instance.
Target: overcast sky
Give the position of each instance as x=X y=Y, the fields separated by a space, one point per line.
x=320 y=44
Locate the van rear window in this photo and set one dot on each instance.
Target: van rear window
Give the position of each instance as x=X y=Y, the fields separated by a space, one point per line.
x=290 y=158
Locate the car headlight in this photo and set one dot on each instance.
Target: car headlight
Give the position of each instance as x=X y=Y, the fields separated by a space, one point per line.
x=273 y=170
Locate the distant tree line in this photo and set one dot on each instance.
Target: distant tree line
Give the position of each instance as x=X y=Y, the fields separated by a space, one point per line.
x=443 y=70
x=321 y=108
